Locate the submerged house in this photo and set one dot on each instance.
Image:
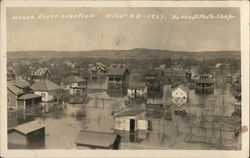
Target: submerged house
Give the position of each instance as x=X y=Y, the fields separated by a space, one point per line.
x=127 y=120
x=179 y=95
x=176 y=76
x=40 y=73
x=75 y=85
x=205 y=84
x=137 y=90
x=20 y=97
x=27 y=136
x=117 y=78
x=47 y=89
x=97 y=140
x=154 y=78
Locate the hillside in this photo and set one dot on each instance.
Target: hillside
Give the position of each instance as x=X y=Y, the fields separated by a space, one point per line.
x=133 y=53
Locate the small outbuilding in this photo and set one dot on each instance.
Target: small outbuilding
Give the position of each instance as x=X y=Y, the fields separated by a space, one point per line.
x=97 y=140
x=27 y=136
x=127 y=120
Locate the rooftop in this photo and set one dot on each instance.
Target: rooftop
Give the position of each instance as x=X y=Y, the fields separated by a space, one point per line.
x=137 y=85
x=21 y=83
x=116 y=71
x=44 y=85
x=95 y=138
x=74 y=79
x=129 y=112
x=14 y=89
x=151 y=72
x=30 y=127
x=181 y=86
x=29 y=96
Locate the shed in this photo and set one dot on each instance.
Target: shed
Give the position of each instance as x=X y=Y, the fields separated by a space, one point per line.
x=97 y=140
x=127 y=120
x=26 y=136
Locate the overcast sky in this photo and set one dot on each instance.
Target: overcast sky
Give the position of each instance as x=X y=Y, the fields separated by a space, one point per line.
x=100 y=33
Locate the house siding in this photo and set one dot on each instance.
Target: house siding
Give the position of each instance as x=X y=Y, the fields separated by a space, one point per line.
x=12 y=103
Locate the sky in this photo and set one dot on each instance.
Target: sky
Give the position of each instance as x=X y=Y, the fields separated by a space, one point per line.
x=97 y=32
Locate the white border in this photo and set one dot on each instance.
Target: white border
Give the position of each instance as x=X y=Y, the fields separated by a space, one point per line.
x=244 y=5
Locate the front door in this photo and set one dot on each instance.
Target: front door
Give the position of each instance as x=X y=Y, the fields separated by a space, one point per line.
x=132 y=125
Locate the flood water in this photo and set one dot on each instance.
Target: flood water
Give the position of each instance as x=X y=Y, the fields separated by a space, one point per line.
x=97 y=115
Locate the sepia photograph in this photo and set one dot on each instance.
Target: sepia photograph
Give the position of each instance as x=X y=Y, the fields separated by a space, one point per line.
x=125 y=78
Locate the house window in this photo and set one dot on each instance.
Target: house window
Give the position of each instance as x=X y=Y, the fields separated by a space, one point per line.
x=43 y=94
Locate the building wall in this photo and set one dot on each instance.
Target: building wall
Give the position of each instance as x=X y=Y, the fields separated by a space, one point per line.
x=11 y=99
x=179 y=93
x=16 y=140
x=47 y=96
x=123 y=123
x=139 y=93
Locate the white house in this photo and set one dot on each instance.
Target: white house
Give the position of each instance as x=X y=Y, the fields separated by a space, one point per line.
x=137 y=90
x=179 y=95
x=130 y=120
x=47 y=89
x=75 y=84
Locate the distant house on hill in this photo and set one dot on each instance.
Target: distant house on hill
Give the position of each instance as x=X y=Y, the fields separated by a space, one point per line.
x=117 y=78
x=118 y=66
x=20 y=98
x=75 y=84
x=98 y=68
x=47 y=89
x=137 y=90
x=40 y=73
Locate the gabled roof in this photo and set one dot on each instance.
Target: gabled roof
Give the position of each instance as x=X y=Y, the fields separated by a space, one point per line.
x=129 y=112
x=181 y=87
x=116 y=71
x=30 y=127
x=14 y=89
x=21 y=83
x=28 y=96
x=74 y=79
x=93 y=138
x=137 y=85
x=44 y=85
